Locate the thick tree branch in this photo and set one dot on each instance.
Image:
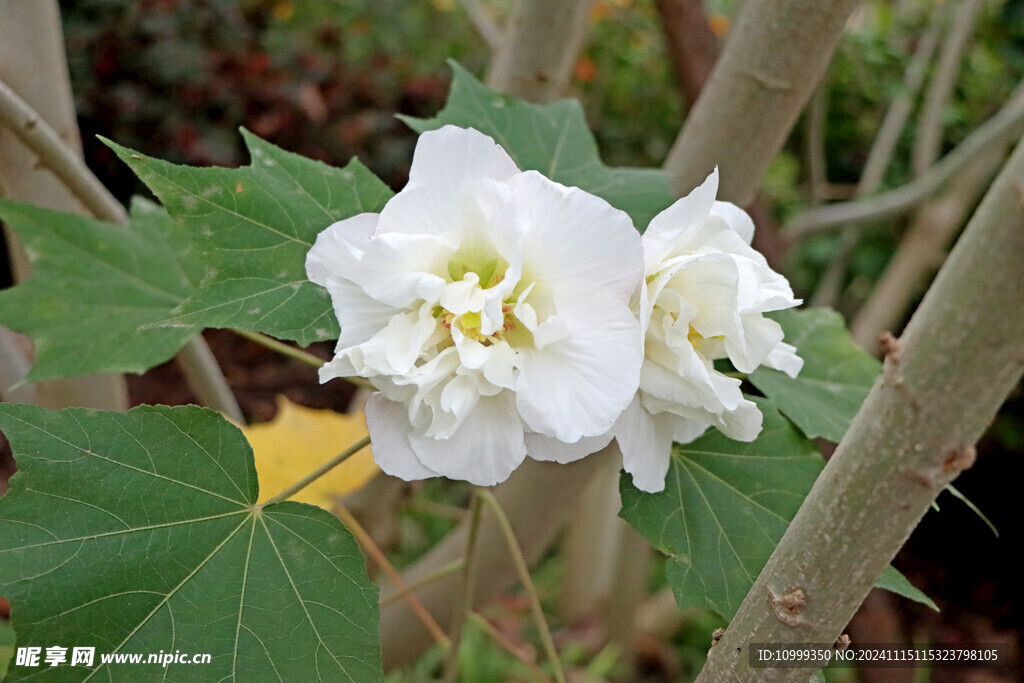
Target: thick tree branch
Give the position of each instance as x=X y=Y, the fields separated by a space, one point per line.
x=998 y=131
x=538 y=51
x=942 y=383
x=773 y=60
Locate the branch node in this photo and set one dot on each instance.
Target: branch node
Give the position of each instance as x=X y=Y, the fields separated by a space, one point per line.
x=959 y=459
x=889 y=345
x=842 y=642
x=788 y=607
x=925 y=479
x=767 y=81
x=716 y=636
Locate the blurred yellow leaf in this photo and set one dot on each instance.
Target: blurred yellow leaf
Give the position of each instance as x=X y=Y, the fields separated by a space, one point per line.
x=301 y=439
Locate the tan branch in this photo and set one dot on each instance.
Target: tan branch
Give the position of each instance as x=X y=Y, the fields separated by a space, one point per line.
x=538 y=51
x=998 y=131
x=773 y=60
x=941 y=385
x=930 y=127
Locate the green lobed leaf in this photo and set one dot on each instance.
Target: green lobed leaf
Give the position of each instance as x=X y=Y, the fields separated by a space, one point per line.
x=892 y=580
x=552 y=139
x=138 y=533
x=253 y=226
x=836 y=377
x=725 y=506
x=98 y=288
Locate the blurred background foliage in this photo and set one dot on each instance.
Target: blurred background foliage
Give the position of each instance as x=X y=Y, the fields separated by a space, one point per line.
x=324 y=78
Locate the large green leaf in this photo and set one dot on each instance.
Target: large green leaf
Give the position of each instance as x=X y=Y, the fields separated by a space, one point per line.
x=834 y=381
x=253 y=227
x=725 y=506
x=139 y=532
x=554 y=140
x=97 y=288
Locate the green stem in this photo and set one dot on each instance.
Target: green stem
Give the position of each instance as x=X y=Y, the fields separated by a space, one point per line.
x=437 y=574
x=524 y=575
x=464 y=599
x=319 y=472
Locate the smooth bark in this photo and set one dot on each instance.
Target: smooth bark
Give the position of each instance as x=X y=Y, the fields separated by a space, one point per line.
x=773 y=60
x=538 y=51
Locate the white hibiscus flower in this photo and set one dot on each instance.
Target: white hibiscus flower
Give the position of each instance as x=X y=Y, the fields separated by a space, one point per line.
x=490 y=307
x=704 y=294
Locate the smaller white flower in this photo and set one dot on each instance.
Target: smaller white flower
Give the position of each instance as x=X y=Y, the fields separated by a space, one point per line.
x=491 y=309
x=703 y=299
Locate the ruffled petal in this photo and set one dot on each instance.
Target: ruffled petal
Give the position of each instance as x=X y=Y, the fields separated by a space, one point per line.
x=445 y=160
x=401 y=270
x=646 y=444
x=575 y=236
x=783 y=357
x=738 y=220
x=547 y=449
x=579 y=385
x=485 y=449
x=674 y=227
x=339 y=248
x=389 y=431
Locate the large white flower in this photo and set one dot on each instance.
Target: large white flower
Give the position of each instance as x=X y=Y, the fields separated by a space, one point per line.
x=490 y=307
x=703 y=297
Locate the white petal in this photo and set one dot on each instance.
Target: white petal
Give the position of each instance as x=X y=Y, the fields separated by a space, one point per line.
x=360 y=315
x=673 y=226
x=736 y=218
x=545 y=448
x=389 y=431
x=401 y=270
x=685 y=429
x=743 y=423
x=487 y=447
x=710 y=283
x=573 y=235
x=783 y=357
x=465 y=295
x=578 y=386
x=499 y=369
x=646 y=444
x=759 y=337
x=445 y=160
x=339 y=248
